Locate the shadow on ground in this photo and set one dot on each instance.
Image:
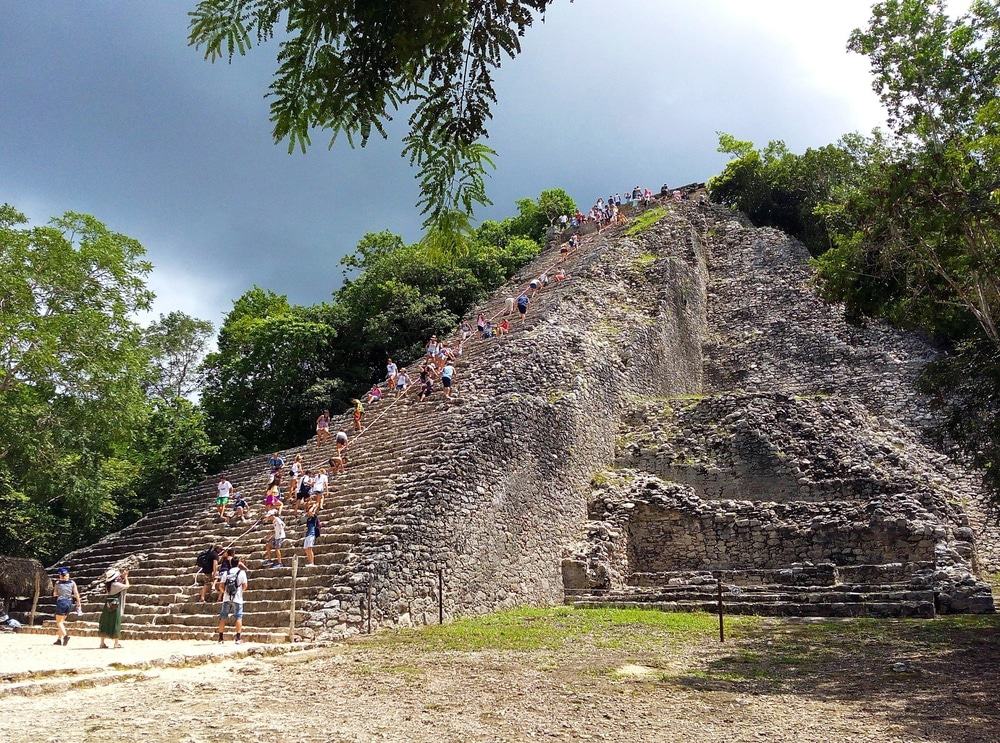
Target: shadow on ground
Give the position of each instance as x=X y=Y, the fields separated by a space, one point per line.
x=937 y=678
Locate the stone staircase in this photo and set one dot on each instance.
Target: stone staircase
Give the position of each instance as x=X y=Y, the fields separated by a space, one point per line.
x=398 y=442
x=803 y=591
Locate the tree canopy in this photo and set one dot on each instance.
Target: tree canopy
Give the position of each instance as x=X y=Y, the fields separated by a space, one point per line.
x=84 y=448
x=347 y=68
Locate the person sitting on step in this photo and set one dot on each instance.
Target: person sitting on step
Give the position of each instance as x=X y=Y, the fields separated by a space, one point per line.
x=374 y=394
x=241 y=510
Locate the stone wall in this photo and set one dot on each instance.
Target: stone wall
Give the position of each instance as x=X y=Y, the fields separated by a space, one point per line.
x=695 y=352
x=502 y=483
x=808 y=446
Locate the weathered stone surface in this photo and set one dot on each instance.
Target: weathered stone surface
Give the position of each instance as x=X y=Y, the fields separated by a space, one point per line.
x=683 y=404
x=808 y=444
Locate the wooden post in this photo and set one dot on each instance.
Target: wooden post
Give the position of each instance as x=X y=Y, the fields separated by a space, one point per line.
x=722 y=628
x=440 y=595
x=368 y=605
x=34 y=600
x=291 y=611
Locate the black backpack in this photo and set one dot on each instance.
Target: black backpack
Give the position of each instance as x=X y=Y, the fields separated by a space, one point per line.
x=206 y=559
x=233 y=583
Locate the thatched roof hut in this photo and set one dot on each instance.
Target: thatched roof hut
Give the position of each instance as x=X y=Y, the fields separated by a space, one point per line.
x=17 y=578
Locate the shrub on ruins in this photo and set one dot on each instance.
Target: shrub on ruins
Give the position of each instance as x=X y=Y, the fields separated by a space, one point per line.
x=778 y=188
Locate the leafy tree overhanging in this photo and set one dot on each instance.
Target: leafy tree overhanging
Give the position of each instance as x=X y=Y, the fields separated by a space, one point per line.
x=348 y=67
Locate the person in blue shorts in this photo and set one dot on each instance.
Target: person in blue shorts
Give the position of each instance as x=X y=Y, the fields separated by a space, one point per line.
x=447 y=374
x=234 y=583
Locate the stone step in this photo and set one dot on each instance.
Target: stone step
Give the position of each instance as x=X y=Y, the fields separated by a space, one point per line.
x=819 y=595
x=918 y=609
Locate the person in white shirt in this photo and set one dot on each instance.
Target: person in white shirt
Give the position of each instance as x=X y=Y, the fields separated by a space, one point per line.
x=224 y=488
x=234 y=583
x=274 y=542
x=318 y=489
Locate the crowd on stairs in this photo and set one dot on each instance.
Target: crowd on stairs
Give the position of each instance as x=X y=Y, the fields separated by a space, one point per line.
x=221 y=573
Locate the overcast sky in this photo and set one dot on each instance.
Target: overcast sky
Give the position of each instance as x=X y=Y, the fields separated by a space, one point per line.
x=105 y=109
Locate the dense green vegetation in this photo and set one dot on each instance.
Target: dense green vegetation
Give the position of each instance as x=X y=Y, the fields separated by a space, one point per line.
x=905 y=223
x=99 y=422
x=92 y=430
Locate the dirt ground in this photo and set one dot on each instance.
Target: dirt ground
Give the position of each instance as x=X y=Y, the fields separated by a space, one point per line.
x=22 y=653
x=558 y=675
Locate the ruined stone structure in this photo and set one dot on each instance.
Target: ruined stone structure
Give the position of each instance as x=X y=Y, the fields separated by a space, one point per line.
x=802 y=472
x=682 y=408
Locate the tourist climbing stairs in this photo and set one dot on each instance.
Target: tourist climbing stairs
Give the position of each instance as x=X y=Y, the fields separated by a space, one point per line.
x=160 y=550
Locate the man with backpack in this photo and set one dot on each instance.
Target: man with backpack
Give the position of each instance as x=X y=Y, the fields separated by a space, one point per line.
x=208 y=564
x=234 y=584
x=228 y=561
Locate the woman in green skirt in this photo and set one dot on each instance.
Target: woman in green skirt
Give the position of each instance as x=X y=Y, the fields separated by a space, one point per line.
x=110 y=625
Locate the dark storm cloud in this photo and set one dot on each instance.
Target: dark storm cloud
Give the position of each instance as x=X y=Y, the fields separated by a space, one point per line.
x=106 y=110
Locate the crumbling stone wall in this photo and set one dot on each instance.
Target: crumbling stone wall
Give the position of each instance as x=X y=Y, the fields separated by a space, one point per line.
x=500 y=484
x=696 y=357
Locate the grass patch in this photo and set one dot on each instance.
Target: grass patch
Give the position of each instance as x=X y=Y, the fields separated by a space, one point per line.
x=645 y=260
x=645 y=220
x=529 y=629
x=608 y=329
x=804 y=652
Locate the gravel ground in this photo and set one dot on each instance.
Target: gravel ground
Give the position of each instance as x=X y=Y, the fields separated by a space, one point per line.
x=772 y=682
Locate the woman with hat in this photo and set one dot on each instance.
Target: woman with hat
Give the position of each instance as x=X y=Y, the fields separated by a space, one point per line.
x=67 y=595
x=110 y=624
